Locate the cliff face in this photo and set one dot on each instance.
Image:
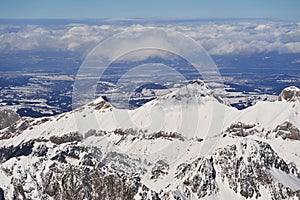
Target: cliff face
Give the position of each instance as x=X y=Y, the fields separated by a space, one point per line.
x=246 y=168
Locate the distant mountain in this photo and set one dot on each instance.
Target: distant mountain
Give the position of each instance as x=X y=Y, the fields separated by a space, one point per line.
x=186 y=144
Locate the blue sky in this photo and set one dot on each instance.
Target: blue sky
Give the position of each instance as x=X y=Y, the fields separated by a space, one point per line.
x=280 y=9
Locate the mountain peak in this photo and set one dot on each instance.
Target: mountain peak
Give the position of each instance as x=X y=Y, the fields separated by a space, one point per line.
x=291 y=93
x=100 y=103
x=195 y=92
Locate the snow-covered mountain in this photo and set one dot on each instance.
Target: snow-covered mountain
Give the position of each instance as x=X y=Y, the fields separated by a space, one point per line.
x=187 y=144
x=291 y=93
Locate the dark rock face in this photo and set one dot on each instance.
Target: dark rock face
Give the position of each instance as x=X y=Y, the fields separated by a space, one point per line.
x=23 y=149
x=198 y=177
x=79 y=172
x=71 y=151
x=246 y=170
x=41 y=150
x=287 y=131
x=71 y=137
x=79 y=185
x=291 y=93
x=15 y=129
x=64 y=180
x=101 y=105
x=160 y=168
x=241 y=129
x=7 y=118
x=64 y=167
x=70 y=182
x=167 y=135
x=1 y=194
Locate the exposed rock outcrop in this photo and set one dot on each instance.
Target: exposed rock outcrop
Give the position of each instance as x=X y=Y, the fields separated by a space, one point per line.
x=287 y=131
x=291 y=93
x=7 y=118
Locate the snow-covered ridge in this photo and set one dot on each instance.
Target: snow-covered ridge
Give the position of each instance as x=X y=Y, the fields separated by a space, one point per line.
x=184 y=145
x=170 y=113
x=192 y=111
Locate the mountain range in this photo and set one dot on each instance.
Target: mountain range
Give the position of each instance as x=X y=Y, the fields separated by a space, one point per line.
x=185 y=145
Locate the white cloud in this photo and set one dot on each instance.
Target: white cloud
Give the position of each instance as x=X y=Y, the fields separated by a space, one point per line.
x=246 y=37
x=217 y=38
x=291 y=47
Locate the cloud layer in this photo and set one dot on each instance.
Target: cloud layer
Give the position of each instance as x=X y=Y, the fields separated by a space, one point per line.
x=217 y=38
